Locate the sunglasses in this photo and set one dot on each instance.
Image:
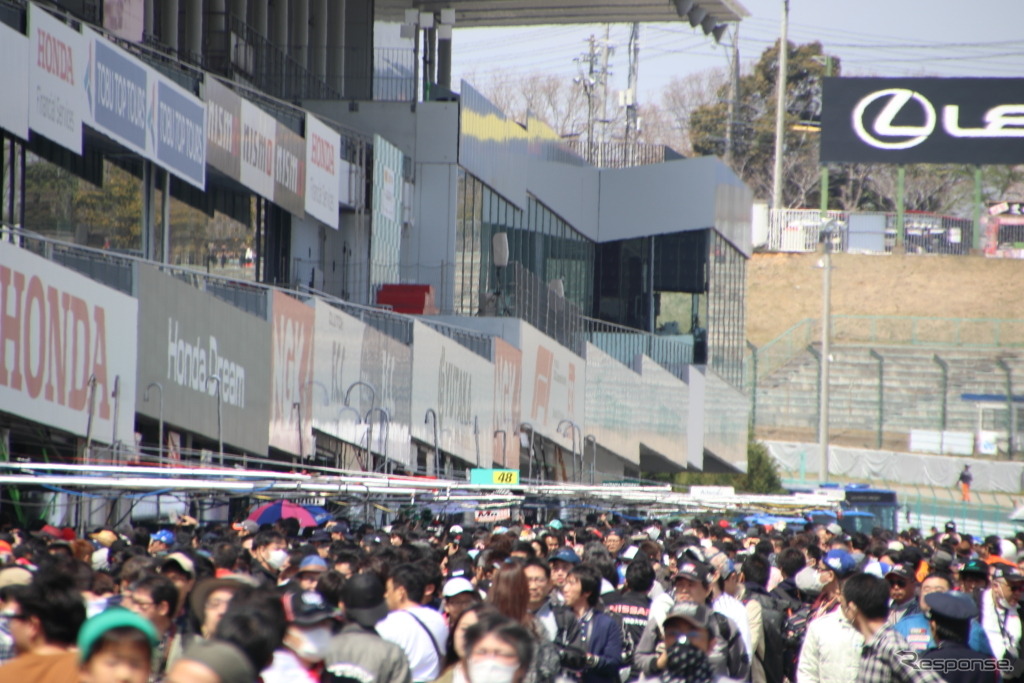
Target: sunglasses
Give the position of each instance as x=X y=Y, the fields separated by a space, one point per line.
x=897 y=583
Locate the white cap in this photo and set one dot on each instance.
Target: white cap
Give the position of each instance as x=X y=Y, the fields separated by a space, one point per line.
x=630 y=552
x=456 y=586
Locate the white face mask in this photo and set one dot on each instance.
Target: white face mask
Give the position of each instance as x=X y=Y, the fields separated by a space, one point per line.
x=311 y=644
x=490 y=671
x=277 y=558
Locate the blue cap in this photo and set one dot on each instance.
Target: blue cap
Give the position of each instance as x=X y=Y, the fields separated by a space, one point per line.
x=955 y=606
x=840 y=562
x=163 y=536
x=312 y=563
x=565 y=555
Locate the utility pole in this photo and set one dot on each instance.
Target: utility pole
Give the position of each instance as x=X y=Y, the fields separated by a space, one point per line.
x=605 y=51
x=734 y=97
x=587 y=64
x=632 y=124
x=780 y=107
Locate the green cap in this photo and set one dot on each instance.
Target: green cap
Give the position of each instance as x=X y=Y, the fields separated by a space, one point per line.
x=115 y=617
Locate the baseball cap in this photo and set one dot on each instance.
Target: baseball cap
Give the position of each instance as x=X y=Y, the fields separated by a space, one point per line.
x=225 y=660
x=565 y=555
x=694 y=613
x=695 y=571
x=555 y=524
x=105 y=537
x=951 y=527
x=457 y=585
x=163 y=536
x=455 y=530
x=247 y=526
x=15 y=576
x=975 y=567
x=834 y=529
x=840 y=562
x=312 y=563
x=183 y=561
x=1007 y=572
x=903 y=570
x=363 y=597
x=320 y=536
x=115 y=617
x=306 y=608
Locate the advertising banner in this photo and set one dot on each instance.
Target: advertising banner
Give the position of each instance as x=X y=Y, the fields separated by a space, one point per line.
x=923 y=120
x=291 y=368
x=386 y=220
x=459 y=385
x=290 y=171
x=552 y=389
x=58 y=100
x=337 y=353
x=663 y=421
x=181 y=132
x=64 y=338
x=613 y=391
x=14 y=81
x=259 y=131
x=508 y=381
x=223 y=128
x=386 y=365
x=323 y=154
x=187 y=339
x=119 y=95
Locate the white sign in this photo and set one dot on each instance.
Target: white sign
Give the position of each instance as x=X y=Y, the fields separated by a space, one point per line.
x=337 y=353
x=323 y=154
x=64 y=338
x=58 y=96
x=492 y=516
x=14 y=81
x=259 y=133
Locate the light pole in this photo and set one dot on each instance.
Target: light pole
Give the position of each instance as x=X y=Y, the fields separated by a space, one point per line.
x=220 y=417
x=826 y=350
x=359 y=420
x=431 y=413
x=569 y=424
x=385 y=419
x=527 y=425
x=593 y=458
x=160 y=421
x=780 y=107
x=366 y=385
x=504 y=445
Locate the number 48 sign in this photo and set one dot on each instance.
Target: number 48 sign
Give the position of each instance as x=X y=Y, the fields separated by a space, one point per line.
x=494 y=477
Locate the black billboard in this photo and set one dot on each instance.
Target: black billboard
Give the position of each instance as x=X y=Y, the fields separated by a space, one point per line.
x=923 y=120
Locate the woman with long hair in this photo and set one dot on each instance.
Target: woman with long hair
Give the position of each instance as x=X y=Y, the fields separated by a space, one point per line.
x=453 y=671
x=510 y=595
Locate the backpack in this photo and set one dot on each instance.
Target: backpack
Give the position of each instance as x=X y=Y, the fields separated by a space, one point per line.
x=774 y=614
x=794 y=630
x=736 y=652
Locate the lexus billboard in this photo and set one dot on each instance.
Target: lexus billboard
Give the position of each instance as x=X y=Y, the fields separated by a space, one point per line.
x=923 y=120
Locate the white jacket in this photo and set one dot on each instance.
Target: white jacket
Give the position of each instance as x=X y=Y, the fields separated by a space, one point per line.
x=831 y=651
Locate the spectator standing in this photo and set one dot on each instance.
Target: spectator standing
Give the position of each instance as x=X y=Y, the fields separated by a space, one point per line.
x=419 y=631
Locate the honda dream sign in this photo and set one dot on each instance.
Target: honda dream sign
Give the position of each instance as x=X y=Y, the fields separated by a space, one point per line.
x=923 y=120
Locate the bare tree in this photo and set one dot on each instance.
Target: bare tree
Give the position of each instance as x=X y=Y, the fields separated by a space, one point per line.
x=681 y=97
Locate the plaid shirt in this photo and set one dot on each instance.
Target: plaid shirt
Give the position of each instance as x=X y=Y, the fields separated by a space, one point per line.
x=6 y=643
x=887 y=658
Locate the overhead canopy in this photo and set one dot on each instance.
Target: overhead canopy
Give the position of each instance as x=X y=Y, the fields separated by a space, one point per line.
x=483 y=13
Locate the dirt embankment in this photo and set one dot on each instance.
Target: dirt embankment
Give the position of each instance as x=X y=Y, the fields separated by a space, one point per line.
x=783 y=289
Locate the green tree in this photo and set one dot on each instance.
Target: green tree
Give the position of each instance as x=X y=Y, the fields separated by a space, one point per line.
x=111 y=214
x=762 y=470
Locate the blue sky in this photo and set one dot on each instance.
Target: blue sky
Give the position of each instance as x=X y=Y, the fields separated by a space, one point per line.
x=872 y=37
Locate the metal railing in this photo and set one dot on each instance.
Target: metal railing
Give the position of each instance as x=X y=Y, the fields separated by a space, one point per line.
x=270 y=69
x=394 y=325
x=622 y=154
x=798 y=230
x=624 y=344
x=479 y=343
x=106 y=267
x=531 y=299
x=779 y=351
x=394 y=74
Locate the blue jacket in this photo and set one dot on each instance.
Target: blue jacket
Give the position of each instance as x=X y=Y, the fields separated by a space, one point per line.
x=915 y=629
x=601 y=636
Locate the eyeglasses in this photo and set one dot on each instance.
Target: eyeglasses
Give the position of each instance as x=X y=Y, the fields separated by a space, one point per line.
x=139 y=603
x=897 y=583
x=493 y=654
x=14 y=615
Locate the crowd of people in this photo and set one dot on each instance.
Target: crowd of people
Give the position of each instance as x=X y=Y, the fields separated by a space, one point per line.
x=600 y=600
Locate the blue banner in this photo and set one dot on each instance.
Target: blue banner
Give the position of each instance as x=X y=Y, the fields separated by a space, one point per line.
x=120 y=100
x=181 y=134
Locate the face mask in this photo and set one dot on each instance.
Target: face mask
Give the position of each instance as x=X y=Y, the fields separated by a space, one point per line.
x=277 y=558
x=687 y=663
x=311 y=644
x=490 y=671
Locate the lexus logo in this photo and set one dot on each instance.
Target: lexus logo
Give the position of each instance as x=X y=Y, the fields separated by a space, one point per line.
x=882 y=133
x=1001 y=121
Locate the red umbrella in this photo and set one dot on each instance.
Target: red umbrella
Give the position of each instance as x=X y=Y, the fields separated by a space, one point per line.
x=269 y=513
